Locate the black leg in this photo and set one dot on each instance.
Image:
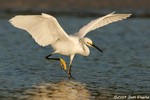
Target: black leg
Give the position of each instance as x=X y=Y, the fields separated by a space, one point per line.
x=69 y=73
x=62 y=62
x=47 y=57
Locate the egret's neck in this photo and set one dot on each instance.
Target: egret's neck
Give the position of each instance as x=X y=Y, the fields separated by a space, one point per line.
x=86 y=50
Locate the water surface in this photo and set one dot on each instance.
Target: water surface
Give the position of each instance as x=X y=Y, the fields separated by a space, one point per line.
x=123 y=68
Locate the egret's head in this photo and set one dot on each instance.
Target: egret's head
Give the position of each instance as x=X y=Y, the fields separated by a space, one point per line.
x=87 y=41
x=90 y=43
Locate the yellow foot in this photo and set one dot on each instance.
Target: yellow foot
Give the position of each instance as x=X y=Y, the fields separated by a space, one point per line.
x=63 y=64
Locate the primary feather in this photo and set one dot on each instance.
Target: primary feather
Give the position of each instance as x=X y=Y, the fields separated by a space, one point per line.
x=43 y=28
x=99 y=22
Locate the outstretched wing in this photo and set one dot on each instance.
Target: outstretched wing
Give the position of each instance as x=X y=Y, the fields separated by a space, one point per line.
x=43 y=28
x=99 y=22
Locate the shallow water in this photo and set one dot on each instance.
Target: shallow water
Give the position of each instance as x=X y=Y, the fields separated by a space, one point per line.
x=123 y=68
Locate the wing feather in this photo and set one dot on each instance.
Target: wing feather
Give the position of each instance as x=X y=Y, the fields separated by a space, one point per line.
x=100 y=22
x=43 y=28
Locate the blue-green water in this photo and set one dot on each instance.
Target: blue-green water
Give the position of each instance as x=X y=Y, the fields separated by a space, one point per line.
x=123 y=68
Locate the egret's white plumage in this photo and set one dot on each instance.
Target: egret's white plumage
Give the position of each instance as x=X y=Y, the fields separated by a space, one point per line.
x=46 y=30
x=100 y=22
x=43 y=28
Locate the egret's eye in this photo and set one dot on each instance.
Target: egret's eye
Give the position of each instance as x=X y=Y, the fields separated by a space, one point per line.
x=80 y=40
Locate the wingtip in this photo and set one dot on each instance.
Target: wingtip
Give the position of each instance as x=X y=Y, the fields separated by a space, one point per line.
x=10 y=20
x=114 y=13
x=111 y=13
x=128 y=15
x=46 y=15
x=13 y=19
x=43 y=14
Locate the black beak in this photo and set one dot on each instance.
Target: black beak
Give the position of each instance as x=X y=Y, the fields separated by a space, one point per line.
x=96 y=47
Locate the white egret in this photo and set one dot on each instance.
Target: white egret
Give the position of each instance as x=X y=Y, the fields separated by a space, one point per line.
x=46 y=31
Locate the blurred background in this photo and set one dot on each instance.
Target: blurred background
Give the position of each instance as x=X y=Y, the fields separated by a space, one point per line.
x=139 y=8
x=123 y=68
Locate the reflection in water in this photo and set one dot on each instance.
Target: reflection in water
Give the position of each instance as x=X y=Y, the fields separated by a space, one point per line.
x=63 y=90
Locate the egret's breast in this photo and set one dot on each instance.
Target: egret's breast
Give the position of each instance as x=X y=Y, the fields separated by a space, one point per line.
x=64 y=47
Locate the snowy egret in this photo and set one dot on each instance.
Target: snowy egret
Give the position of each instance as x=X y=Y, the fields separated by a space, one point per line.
x=46 y=30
